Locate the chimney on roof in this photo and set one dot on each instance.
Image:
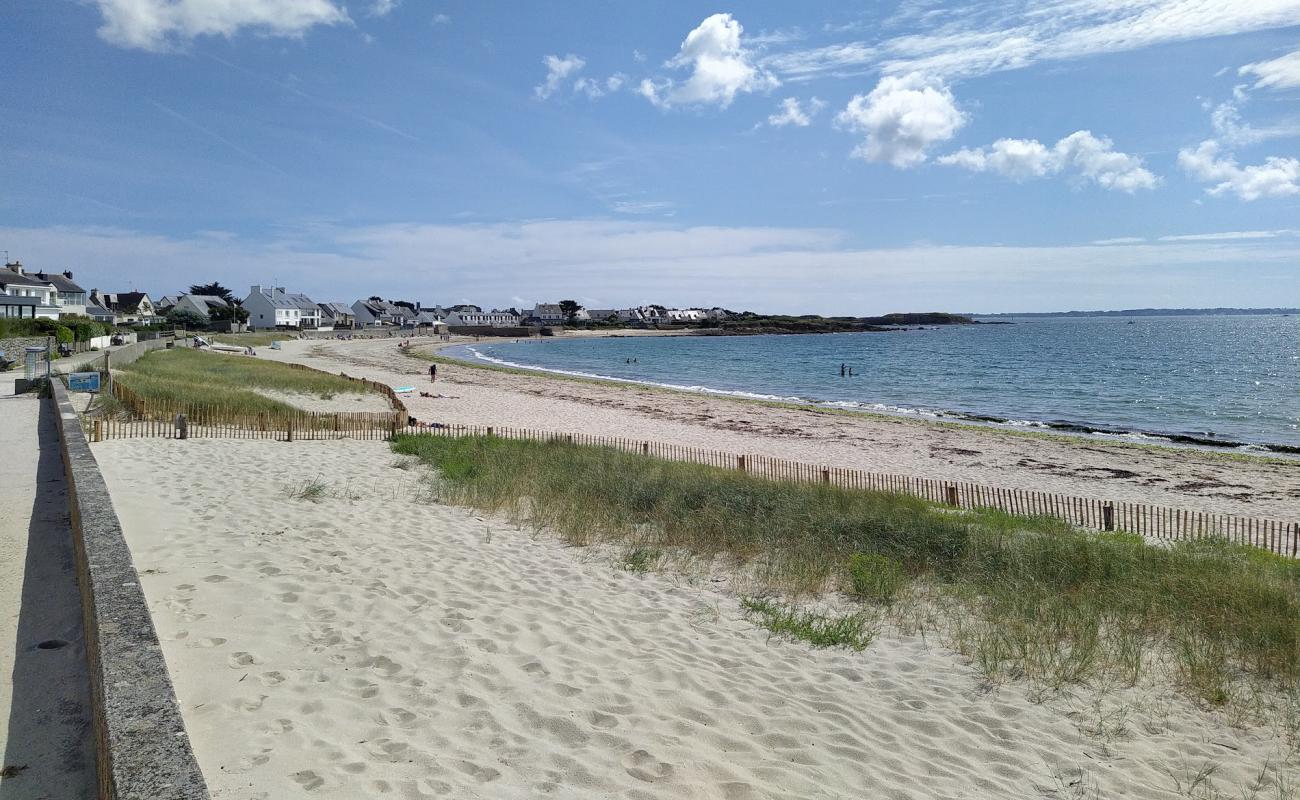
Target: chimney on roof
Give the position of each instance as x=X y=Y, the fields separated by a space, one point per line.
x=279 y=290
x=16 y=266
x=67 y=273
x=255 y=289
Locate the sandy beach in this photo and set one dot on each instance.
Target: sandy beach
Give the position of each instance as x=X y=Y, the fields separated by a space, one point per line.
x=1088 y=467
x=373 y=642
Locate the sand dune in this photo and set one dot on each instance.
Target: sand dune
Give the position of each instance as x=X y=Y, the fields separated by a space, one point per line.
x=1180 y=478
x=373 y=643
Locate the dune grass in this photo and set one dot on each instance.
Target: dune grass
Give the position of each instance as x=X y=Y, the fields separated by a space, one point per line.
x=1022 y=597
x=189 y=377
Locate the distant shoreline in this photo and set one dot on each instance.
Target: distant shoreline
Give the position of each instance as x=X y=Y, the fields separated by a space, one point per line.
x=1151 y=312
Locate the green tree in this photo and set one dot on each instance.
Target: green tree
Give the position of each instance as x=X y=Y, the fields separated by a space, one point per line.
x=185 y=318
x=569 y=308
x=213 y=289
x=227 y=313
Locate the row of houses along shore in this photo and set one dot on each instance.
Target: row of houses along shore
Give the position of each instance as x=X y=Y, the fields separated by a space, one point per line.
x=41 y=295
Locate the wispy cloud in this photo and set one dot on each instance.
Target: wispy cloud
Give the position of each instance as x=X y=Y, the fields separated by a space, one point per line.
x=994 y=35
x=213 y=135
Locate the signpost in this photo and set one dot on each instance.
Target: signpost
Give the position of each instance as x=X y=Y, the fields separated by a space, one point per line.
x=83 y=382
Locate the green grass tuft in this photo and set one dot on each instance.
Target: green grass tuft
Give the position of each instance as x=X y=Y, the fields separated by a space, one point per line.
x=875 y=577
x=819 y=630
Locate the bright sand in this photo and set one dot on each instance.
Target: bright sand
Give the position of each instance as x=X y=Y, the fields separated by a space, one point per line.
x=374 y=643
x=1087 y=467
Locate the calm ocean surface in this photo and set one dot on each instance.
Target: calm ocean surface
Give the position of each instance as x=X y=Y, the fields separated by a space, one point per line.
x=1231 y=380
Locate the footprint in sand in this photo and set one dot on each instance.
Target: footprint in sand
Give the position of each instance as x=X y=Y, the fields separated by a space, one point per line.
x=308 y=780
x=241 y=660
x=645 y=767
x=271 y=678
x=212 y=641
x=216 y=579
x=600 y=720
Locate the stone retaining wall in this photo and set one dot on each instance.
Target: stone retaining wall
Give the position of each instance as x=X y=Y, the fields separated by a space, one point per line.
x=15 y=349
x=142 y=750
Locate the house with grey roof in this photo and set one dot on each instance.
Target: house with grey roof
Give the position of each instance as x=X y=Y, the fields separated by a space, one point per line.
x=24 y=295
x=336 y=316
x=274 y=307
x=71 y=297
x=127 y=307
x=201 y=304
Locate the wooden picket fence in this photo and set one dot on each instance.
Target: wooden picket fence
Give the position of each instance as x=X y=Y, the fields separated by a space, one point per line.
x=1151 y=521
x=157 y=418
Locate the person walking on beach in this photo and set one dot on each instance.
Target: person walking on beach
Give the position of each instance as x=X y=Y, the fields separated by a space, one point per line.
x=433 y=373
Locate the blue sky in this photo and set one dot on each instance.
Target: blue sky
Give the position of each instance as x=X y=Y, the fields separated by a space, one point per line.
x=833 y=158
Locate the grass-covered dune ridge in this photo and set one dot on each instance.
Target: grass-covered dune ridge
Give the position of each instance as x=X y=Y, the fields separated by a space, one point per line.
x=1030 y=597
x=185 y=377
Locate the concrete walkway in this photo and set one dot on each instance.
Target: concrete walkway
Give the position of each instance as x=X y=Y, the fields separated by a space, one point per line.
x=46 y=742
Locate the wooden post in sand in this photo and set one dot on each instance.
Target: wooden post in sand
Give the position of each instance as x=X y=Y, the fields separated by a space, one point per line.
x=98 y=434
x=489 y=433
x=1108 y=517
x=951 y=491
x=645 y=448
x=288 y=429
x=740 y=463
x=182 y=427
x=826 y=475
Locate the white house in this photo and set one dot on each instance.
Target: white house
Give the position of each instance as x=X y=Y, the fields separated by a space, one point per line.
x=273 y=307
x=26 y=295
x=686 y=314
x=127 y=307
x=71 y=297
x=495 y=318
x=548 y=314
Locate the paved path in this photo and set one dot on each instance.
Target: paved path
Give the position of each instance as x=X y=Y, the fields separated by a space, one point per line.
x=46 y=745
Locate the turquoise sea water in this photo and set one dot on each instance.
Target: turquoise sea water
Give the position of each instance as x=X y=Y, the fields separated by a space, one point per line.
x=1211 y=380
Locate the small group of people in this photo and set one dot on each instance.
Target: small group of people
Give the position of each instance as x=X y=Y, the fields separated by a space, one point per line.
x=629 y=361
x=846 y=371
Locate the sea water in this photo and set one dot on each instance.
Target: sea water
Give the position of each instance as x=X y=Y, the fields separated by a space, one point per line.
x=1229 y=381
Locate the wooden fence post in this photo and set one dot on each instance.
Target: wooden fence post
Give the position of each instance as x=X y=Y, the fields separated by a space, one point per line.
x=98 y=434
x=489 y=433
x=288 y=428
x=1108 y=517
x=182 y=426
x=951 y=492
x=740 y=463
x=826 y=475
x=645 y=448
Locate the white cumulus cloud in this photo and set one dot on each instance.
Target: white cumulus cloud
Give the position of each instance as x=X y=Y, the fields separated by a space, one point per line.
x=1092 y=157
x=161 y=25
x=720 y=68
x=791 y=112
x=1276 y=177
x=557 y=71
x=902 y=118
x=1278 y=73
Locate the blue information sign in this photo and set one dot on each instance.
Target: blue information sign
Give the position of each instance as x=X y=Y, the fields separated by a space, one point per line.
x=84 y=381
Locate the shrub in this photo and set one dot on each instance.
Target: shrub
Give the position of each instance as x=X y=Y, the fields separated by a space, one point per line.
x=875 y=577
